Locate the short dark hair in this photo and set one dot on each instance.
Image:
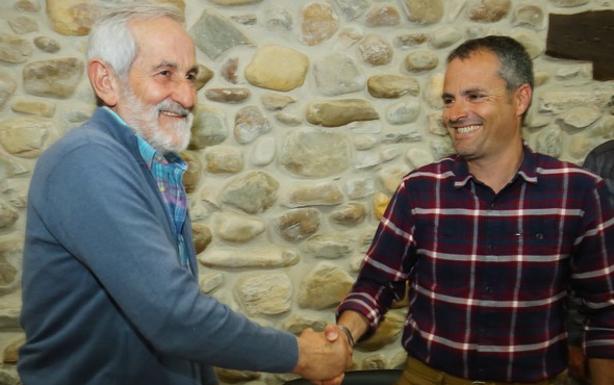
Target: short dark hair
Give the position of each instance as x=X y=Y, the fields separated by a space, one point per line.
x=516 y=65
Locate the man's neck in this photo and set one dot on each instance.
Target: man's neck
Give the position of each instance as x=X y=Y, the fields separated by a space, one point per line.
x=497 y=171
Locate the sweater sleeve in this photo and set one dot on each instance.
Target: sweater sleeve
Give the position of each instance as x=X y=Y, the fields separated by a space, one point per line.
x=99 y=206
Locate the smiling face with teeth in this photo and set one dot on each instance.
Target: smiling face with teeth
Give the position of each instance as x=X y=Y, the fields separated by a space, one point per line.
x=158 y=95
x=482 y=116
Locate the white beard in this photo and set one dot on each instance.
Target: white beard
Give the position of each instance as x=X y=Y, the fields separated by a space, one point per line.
x=144 y=121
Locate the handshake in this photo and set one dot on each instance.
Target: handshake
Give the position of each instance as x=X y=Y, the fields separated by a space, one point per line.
x=324 y=357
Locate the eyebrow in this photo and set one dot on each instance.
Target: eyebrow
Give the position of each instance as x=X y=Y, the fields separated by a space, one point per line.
x=464 y=92
x=167 y=64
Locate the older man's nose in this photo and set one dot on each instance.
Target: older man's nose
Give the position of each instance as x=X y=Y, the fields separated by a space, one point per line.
x=184 y=93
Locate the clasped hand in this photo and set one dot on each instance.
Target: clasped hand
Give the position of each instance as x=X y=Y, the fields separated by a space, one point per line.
x=323 y=356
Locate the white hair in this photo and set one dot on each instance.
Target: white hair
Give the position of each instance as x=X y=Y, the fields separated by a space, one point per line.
x=111 y=39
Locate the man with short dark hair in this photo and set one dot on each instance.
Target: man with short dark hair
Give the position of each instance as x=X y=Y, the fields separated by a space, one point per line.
x=490 y=239
x=110 y=283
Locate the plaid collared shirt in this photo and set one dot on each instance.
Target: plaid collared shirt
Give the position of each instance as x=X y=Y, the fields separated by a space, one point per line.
x=168 y=173
x=489 y=273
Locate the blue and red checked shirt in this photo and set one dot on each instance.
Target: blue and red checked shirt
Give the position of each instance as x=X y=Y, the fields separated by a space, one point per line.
x=489 y=273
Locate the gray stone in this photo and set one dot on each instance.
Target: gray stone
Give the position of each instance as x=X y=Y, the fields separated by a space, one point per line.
x=445 y=37
x=247 y=19
x=263 y=151
x=315 y=153
x=403 y=112
x=296 y=323
x=250 y=124
x=579 y=72
x=332 y=245
x=529 y=15
x=392 y=86
x=288 y=119
x=353 y=9
x=324 y=286
x=8 y=377
x=366 y=159
x=387 y=332
x=408 y=134
x=549 y=141
x=418 y=157
x=237 y=228
x=23 y=25
x=224 y=159
x=579 y=147
x=375 y=50
x=357 y=188
x=334 y=113
x=349 y=36
x=235 y=2
x=24 y=136
x=568 y=3
x=9 y=314
x=298 y=224
x=11 y=351
x=209 y=129
x=8 y=216
x=364 y=142
x=318 y=23
x=383 y=16
x=27 y=6
x=264 y=294
x=559 y=100
x=436 y=126
x=315 y=194
x=424 y=11
x=79 y=112
x=442 y=147
x=337 y=74
x=433 y=91
x=605 y=127
x=350 y=214
x=253 y=257
x=214 y=34
x=267 y=71
x=373 y=362
x=390 y=177
x=228 y=95
x=32 y=107
x=56 y=78
x=211 y=281
x=365 y=127
x=229 y=70
x=14 y=49
x=532 y=42
x=488 y=11
x=278 y=19
x=274 y=102
x=421 y=60
x=7 y=87
x=72 y=17
x=253 y=192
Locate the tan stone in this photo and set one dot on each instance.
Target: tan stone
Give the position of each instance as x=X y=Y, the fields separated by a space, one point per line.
x=24 y=136
x=54 y=78
x=373 y=362
x=392 y=86
x=235 y=2
x=298 y=224
x=237 y=228
x=252 y=257
x=34 y=107
x=380 y=202
x=424 y=11
x=7 y=87
x=27 y=5
x=334 y=113
x=224 y=159
x=391 y=176
x=228 y=95
x=14 y=49
x=296 y=323
x=250 y=123
x=386 y=333
x=323 y=194
x=274 y=102
x=383 y=16
x=11 y=352
x=192 y=176
x=203 y=76
x=267 y=71
x=349 y=214
x=210 y=281
x=529 y=14
x=318 y=23
x=329 y=245
x=488 y=11
x=23 y=25
x=72 y=17
x=421 y=60
x=375 y=50
x=264 y=293
x=253 y=192
x=201 y=237
x=324 y=286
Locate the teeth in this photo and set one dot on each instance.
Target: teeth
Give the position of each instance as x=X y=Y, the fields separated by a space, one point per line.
x=467 y=129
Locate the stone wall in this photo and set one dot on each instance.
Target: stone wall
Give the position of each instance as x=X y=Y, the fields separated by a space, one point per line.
x=309 y=114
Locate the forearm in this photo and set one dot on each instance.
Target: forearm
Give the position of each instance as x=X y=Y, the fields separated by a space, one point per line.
x=601 y=371
x=355 y=322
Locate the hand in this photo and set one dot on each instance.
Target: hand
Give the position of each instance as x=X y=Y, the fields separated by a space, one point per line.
x=321 y=361
x=577 y=364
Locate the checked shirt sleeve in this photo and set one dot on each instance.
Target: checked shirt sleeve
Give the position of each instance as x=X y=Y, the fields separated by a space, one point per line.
x=593 y=273
x=385 y=267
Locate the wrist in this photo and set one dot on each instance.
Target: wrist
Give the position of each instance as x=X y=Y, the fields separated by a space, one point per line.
x=348 y=334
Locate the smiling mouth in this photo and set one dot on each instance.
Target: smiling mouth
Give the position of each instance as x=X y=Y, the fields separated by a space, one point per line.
x=172 y=114
x=468 y=129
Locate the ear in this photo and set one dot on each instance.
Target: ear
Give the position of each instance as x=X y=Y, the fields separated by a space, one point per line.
x=103 y=81
x=522 y=96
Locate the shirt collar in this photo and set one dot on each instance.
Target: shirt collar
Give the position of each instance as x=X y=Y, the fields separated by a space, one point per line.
x=527 y=169
x=148 y=153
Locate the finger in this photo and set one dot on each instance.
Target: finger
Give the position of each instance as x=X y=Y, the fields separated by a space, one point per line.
x=331 y=332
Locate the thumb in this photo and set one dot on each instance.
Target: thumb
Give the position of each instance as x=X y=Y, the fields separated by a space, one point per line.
x=331 y=332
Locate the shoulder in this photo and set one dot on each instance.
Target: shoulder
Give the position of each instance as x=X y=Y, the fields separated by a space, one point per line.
x=441 y=169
